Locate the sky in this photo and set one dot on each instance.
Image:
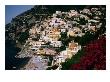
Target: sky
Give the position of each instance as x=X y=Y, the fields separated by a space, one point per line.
x=12 y=11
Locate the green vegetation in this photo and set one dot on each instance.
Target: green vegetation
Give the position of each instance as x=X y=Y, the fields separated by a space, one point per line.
x=23 y=37
x=50 y=60
x=60 y=49
x=75 y=59
x=64 y=38
x=84 y=39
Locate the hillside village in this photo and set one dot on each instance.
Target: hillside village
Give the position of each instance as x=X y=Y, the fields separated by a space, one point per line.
x=52 y=39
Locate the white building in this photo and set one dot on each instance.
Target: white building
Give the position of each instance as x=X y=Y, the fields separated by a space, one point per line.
x=87 y=11
x=56 y=43
x=58 y=12
x=63 y=30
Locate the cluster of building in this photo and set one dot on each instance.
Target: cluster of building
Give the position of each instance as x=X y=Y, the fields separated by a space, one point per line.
x=44 y=36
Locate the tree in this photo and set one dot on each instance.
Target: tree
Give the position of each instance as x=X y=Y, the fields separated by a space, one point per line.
x=75 y=59
x=64 y=38
x=23 y=36
x=85 y=39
